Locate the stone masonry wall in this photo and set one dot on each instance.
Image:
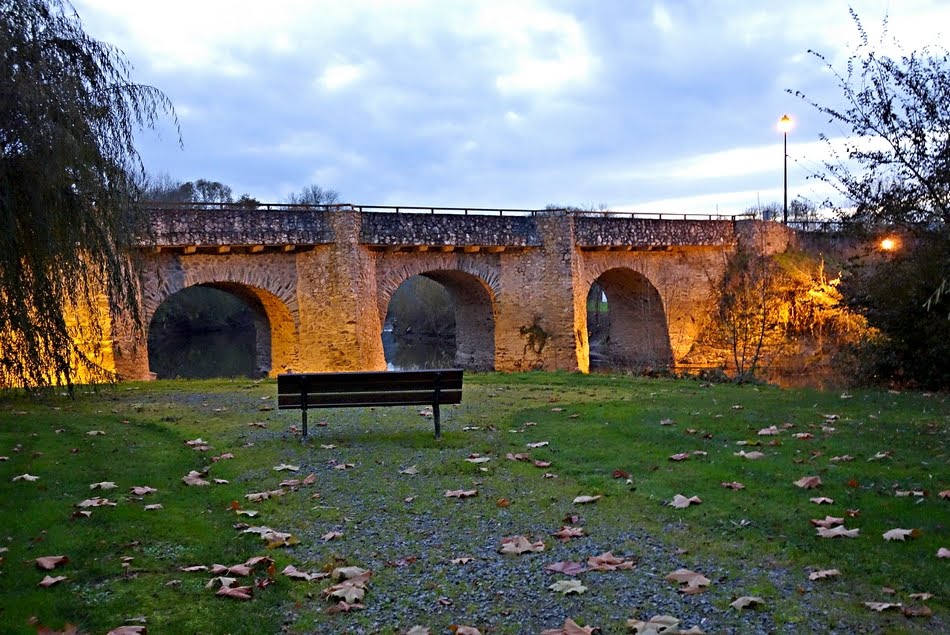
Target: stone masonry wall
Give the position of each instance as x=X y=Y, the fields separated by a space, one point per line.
x=443 y=229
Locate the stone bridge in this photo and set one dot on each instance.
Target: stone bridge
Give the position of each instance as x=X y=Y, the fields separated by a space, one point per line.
x=319 y=280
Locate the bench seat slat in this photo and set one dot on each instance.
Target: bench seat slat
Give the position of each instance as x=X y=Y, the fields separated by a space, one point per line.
x=350 y=385
x=356 y=381
x=414 y=398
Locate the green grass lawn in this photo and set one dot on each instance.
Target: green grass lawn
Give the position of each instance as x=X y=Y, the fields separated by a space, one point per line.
x=124 y=561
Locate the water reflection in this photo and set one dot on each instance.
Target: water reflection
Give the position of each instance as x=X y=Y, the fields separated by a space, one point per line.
x=203 y=355
x=412 y=353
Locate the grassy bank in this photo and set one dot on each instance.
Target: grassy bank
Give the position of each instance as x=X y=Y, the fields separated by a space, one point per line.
x=605 y=436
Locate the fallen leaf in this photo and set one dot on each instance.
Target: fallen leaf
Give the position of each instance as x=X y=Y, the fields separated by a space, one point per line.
x=236 y=592
x=351 y=573
x=682 y=456
x=417 y=630
x=945 y=494
x=752 y=456
x=583 y=500
x=462 y=560
x=827 y=521
x=331 y=535
x=343 y=607
x=103 y=485
x=666 y=422
x=461 y=493
x=808 y=482
x=923 y=597
x=49 y=581
x=620 y=474
x=566 y=533
x=693 y=582
x=570 y=627
x=898 y=534
x=880 y=455
x=464 y=630
x=542 y=463
x=824 y=573
x=349 y=591
x=842 y=459
x=294 y=574
x=517 y=457
x=128 y=630
x=224 y=457
x=917 y=611
x=803 y=435
x=286 y=467
x=607 y=561
x=142 y=490
x=567 y=587
x=411 y=470
x=539 y=444
x=836 y=532
x=943 y=552
x=238 y=570
x=51 y=562
x=193 y=568
x=822 y=500
x=194 y=478
x=746 y=601
x=478 y=459
x=567 y=568
x=733 y=485
x=95 y=502
x=95 y=433
x=882 y=606
x=681 y=502
x=771 y=430
x=665 y=624
x=25 y=477
x=502 y=502
x=519 y=545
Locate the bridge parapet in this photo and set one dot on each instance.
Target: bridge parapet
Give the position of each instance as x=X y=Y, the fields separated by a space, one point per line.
x=183 y=225
x=378 y=229
x=593 y=233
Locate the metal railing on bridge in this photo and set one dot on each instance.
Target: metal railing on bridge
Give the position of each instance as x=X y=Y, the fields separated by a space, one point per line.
x=456 y=211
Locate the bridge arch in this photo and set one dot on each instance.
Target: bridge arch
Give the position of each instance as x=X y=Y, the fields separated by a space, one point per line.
x=474 y=301
x=268 y=292
x=634 y=333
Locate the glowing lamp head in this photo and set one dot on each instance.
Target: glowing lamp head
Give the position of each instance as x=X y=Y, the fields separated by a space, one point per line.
x=888 y=244
x=785 y=124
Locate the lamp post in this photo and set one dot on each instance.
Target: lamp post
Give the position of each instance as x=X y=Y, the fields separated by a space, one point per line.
x=785 y=124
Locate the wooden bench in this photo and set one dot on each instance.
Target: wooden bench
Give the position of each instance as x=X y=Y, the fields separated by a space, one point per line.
x=302 y=391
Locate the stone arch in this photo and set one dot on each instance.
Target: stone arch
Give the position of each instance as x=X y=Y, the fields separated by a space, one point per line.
x=638 y=334
x=267 y=291
x=475 y=310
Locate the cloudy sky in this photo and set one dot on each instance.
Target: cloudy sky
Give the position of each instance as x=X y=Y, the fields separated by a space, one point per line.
x=652 y=105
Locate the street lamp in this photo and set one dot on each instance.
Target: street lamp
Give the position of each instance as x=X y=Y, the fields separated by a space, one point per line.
x=785 y=124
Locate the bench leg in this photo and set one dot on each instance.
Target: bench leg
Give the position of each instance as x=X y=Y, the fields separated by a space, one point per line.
x=435 y=417
x=303 y=419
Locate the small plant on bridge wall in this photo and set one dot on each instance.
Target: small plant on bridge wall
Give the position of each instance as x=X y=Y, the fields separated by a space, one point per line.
x=536 y=336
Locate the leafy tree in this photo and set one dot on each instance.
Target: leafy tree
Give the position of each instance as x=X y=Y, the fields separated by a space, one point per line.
x=68 y=168
x=313 y=195
x=896 y=167
x=204 y=191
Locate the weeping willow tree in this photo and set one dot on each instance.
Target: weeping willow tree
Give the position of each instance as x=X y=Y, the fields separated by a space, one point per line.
x=68 y=174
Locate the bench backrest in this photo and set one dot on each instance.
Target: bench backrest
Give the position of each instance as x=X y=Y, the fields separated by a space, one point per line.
x=382 y=388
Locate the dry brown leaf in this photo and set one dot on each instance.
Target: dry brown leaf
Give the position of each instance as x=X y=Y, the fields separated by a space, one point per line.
x=843 y=458
x=692 y=582
x=570 y=627
x=331 y=535
x=923 y=597
x=827 y=521
x=350 y=591
x=520 y=544
x=945 y=494
x=236 y=592
x=128 y=630
x=103 y=485
x=943 y=552
x=142 y=490
x=153 y=507
x=838 y=532
x=286 y=467
x=735 y=485
x=567 y=568
x=808 y=482
x=417 y=630
x=583 y=500
x=883 y=606
x=411 y=470
x=566 y=587
x=746 y=601
x=607 y=561
x=917 y=611
x=343 y=607
x=539 y=444
x=566 y=533
x=194 y=478
x=681 y=502
x=464 y=630
x=898 y=534
x=771 y=430
x=462 y=560
x=822 y=500
x=49 y=581
x=824 y=573
x=477 y=458
x=25 y=477
x=752 y=456
x=95 y=502
x=193 y=568
x=682 y=456
x=518 y=457
x=51 y=562
x=238 y=570
x=541 y=464
x=461 y=493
